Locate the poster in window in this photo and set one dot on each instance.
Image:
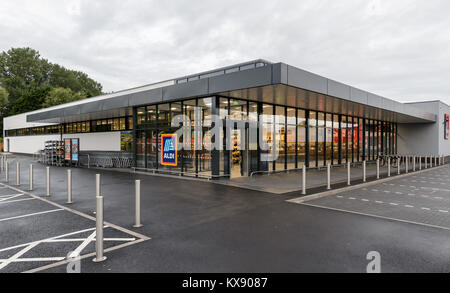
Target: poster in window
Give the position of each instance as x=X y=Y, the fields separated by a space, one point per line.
x=67 y=149
x=169 y=150
x=75 y=149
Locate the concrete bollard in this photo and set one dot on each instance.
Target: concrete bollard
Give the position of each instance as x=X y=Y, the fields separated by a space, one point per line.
x=99 y=257
x=7 y=171
x=389 y=167
x=414 y=163
x=399 y=165
x=138 y=205
x=304 y=180
x=420 y=162
x=349 y=174
x=426 y=162
x=329 y=177
x=378 y=168
x=364 y=171
x=17 y=173
x=69 y=187
x=97 y=185
x=48 y=181
x=407 y=164
x=31 y=177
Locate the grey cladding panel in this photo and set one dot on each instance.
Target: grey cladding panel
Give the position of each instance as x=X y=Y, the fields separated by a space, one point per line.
x=90 y=107
x=374 y=100
x=240 y=80
x=306 y=80
x=118 y=102
x=45 y=115
x=190 y=89
x=73 y=110
x=339 y=90
x=147 y=97
x=358 y=96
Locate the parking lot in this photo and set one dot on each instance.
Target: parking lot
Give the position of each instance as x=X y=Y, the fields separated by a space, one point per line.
x=37 y=234
x=421 y=198
x=199 y=226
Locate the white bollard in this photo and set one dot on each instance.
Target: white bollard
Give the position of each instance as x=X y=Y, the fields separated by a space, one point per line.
x=407 y=164
x=329 y=177
x=420 y=162
x=378 y=168
x=69 y=187
x=364 y=171
x=138 y=205
x=31 y=177
x=399 y=165
x=414 y=163
x=48 y=181
x=304 y=180
x=348 y=174
x=99 y=257
x=7 y=171
x=17 y=173
x=97 y=185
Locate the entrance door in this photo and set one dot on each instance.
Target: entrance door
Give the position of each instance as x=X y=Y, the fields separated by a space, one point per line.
x=239 y=163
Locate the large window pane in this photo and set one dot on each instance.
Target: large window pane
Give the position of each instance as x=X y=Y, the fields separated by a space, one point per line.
x=301 y=138
x=312 y=139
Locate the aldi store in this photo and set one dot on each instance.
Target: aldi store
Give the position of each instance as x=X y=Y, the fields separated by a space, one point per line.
x=251 y=118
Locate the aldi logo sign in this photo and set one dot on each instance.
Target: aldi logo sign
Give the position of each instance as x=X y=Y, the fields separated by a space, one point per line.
x=169 y=150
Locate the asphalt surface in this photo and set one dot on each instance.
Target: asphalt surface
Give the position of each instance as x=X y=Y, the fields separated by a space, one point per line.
x=198 y=226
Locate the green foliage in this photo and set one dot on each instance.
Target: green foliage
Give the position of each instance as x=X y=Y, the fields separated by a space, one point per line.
x=31 y=100
x=58 y=96
x=4 y=101
x=28 y=82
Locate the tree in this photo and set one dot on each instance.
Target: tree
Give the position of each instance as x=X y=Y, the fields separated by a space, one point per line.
x=59 y=96
x=3 y=101
x=21 y=69
x=31 y=100
x=29 y=80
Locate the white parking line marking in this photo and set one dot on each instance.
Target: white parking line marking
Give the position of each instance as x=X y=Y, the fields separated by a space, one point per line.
x=366 y=200
x=43 y=259
x=79 y=249
x=17 y=200
x=379 y=201
x=393 y=204
x=376 y=216
x=352 y=198
x=17 y=255
x=10 y=197
x=426 y=209
x=442 y=211
x=408 y=206
x=30 y=215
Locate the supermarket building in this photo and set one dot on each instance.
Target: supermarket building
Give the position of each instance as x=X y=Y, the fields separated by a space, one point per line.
x=305 y=118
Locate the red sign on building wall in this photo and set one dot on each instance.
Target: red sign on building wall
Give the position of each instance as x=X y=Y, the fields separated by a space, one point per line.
x=446 y=126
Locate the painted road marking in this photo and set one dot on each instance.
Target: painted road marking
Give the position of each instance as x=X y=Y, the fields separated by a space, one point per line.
x=10 y=197
x=17 y=200
x=376 y=216
x=58 y=260
x=31 y=215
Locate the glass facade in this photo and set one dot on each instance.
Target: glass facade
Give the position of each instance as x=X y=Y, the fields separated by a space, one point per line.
x=287 y=138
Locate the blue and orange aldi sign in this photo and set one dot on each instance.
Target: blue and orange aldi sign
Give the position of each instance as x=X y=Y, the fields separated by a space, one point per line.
x=169 y=150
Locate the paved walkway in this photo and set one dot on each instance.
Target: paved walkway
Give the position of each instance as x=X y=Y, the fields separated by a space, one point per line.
x=292 y=182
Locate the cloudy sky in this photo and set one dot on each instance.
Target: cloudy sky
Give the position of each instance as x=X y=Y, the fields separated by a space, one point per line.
x=398 y=49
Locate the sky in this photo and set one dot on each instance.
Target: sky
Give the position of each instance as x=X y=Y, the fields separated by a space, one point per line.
x=398 y=49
